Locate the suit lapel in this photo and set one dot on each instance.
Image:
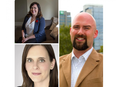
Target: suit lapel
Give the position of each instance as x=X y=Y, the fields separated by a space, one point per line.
x=36 y=24
x=90 y=64
x=67 y=69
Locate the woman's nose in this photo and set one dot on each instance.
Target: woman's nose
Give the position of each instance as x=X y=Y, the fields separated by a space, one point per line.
x=35 y=65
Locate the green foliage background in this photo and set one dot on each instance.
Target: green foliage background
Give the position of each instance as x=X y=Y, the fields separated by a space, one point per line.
x=65 y=42
x=101 y=49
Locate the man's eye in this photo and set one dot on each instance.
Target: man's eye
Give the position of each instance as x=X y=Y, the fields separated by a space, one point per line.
x=86 y=28
x=42 y=60
x=76 y=27
x=29 y=60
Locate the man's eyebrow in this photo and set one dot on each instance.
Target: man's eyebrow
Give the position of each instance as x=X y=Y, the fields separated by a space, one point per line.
x=75 y=25
x=83 y=26
x=86 y=26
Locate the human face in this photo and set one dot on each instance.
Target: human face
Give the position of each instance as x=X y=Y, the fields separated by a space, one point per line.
x=83 y=31
x=38 y=64
x=34 y=10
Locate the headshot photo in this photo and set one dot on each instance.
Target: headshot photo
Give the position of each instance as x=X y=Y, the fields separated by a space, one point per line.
x=81 y=45
x=36 y=21
x=36 y=65
x=67 y=16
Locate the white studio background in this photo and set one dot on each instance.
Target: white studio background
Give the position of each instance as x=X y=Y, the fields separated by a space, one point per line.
x=18 y=61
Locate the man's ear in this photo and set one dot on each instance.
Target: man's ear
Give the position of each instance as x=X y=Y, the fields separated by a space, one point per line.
x=52 y=64
x=96 y=33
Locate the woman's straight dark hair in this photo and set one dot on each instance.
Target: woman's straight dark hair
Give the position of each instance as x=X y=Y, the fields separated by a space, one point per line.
x=27 y=82
x=39 y=15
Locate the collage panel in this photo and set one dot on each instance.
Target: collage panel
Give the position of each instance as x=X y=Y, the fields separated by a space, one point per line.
x=81 y=43
x=36 y=65
x=81 y=33
x=78 y=48
x=36 y=21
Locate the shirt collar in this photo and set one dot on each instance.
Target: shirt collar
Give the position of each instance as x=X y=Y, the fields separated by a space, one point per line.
x=85 y=55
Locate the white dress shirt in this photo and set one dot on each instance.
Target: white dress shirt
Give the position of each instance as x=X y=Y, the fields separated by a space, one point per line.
x=77 y=65
x=29 y=27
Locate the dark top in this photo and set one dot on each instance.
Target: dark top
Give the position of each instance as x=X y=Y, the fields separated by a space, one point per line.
x=39 y=31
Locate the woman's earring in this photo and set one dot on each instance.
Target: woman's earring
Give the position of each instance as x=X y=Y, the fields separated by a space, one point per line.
x=51 y=67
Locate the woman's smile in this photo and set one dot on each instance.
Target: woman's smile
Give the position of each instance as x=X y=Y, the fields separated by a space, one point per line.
x=36 y=74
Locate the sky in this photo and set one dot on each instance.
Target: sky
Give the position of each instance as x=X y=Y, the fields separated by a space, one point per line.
x=75 y=6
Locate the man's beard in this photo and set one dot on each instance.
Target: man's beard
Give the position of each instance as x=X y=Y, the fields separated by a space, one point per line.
x=79 y=46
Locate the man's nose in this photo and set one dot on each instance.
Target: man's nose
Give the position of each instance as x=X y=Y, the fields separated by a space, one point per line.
x=80 y=31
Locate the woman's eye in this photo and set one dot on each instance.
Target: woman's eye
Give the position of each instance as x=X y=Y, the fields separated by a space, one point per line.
x=42 y=60
x=29 y=60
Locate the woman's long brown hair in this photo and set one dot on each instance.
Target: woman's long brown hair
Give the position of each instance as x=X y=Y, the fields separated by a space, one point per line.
x=27 y=82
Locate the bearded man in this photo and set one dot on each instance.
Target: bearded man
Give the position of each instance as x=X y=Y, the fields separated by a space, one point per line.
x=83 y=67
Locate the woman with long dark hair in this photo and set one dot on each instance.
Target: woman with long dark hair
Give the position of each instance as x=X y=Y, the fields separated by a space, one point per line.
x=33 y=25
x=39 y=67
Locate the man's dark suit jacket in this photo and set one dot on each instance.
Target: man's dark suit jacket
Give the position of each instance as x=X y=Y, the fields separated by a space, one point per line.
x=39 y=31
x=91 y=74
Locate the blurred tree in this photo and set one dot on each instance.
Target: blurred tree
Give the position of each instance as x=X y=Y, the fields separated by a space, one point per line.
x=65 y=42
x=101 y=49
